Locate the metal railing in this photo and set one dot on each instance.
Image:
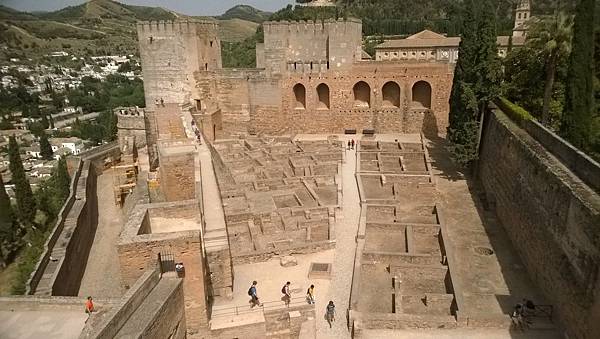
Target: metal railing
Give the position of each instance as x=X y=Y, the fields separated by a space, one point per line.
x=230 y=311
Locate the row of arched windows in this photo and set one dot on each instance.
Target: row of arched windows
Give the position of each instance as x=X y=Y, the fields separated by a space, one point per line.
x=421 y=95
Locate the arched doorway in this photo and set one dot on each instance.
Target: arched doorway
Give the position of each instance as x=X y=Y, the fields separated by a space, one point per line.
x=421 y=95
x=300 y=96
x=323 y=95
x=362 y=94
x=391 y=94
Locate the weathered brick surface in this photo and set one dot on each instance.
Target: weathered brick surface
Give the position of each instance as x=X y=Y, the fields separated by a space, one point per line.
x=177 y=176
x=551 y=218
x=140 y=252
x=181 y=66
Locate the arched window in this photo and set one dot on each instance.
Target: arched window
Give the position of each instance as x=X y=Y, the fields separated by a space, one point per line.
x=421 y=95
x=323 y=94
x=362 y=94
x=391 y=94
x=300 y=96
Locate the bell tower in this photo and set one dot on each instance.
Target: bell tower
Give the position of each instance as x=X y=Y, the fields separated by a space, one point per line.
x=522 y=15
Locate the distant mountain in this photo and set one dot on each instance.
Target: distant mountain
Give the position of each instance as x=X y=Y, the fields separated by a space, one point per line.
x=245 y=12
x=101 y=27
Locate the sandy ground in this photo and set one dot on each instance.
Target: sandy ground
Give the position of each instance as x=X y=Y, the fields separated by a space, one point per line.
x=41 y=324
x=102 y=278
x=165 y=225
x=271 y=277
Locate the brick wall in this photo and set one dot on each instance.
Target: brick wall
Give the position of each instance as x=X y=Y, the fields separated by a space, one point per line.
x=551 y=218
x=254 y=101
x=177 y=175
x=139 y=253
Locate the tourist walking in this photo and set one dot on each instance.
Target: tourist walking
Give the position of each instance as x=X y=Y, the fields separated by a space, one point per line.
x=310 y=295
x=254 y=295
x=352 y=143
x=330 y=313
x=89 y=307
x=287 y=295
x=162 y=102
x=349 y=144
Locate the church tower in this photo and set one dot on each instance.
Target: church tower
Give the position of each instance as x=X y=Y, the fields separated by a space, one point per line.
x=522 y=15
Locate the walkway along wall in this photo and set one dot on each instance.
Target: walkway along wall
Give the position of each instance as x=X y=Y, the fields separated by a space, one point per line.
x=551 y=216
x=70 y=242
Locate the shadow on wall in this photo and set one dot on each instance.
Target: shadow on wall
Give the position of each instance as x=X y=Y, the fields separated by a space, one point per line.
x=430 y=128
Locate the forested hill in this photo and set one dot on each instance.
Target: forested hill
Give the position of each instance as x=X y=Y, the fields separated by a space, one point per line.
x=100 y=27
x=403 y=17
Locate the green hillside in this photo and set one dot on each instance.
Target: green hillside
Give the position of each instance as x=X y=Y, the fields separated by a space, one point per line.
x=99 y=27
x=245 y=12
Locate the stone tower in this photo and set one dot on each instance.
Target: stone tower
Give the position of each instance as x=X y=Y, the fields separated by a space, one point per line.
x=171 y=52
x=522 y=15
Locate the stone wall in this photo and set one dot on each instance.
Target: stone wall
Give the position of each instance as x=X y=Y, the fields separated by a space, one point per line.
x=138 y=252
x=71 y=239
x=171 y=52
x=177 y=173
x=254 y=102
x=130 y=123
x=81 y=225
x=551 y=217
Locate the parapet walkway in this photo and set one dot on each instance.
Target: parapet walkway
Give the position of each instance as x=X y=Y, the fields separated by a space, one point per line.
x=102 y=278
x=215 y=233
x=346 y=228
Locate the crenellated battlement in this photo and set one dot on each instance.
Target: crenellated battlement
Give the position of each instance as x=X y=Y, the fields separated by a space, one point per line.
x=315 y=27
x=181 y=26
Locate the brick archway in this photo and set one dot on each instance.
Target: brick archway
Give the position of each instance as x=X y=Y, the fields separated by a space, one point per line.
x=323 y=96
x=421 y=95
x=362 y=94
x=391 y=94
x=299 y=96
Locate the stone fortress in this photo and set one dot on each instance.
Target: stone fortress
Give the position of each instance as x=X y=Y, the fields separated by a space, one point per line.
x=234 y=175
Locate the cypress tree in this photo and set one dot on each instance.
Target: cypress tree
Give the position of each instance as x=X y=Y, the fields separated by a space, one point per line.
x=9 y=230
x=45 y=147
x=61 y=179
x=487 y=70
x=25 y=201
x=476 y=79
x=579 y=108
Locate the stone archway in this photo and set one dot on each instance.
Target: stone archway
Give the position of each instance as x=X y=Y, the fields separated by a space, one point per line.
x=323 y=95
x=300 y=96
x=362 y=94
x=421 y=95
x=391 y=94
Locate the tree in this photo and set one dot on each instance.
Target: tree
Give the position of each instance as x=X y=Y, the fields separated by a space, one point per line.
x=9 y=228
x=61 y=179
x=576 y=122
x=476 y=79
x=45 y=147
x=25 y=202
x=551 y=38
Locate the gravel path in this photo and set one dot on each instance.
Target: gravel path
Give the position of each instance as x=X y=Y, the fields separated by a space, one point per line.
x=102 y=278
x=343 y=263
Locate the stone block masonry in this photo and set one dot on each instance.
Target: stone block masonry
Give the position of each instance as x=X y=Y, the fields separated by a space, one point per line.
x=551 y=217
x=71 y=240
x=139 y=250
x=177 y=174
x=314 y=81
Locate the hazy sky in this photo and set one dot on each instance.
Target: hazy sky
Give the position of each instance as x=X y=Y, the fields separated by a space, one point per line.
x=189 y=7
